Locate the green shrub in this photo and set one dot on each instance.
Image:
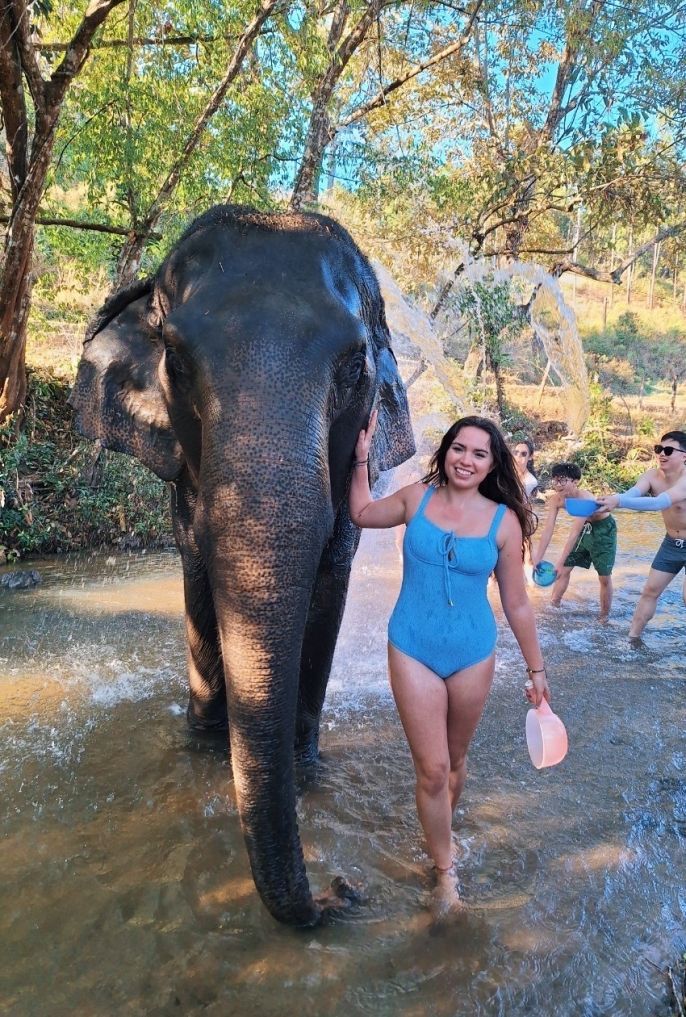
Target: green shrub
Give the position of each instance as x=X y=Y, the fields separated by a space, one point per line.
x=59 y=492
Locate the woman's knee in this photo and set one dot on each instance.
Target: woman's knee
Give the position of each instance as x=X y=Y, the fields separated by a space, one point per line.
x=432 y=778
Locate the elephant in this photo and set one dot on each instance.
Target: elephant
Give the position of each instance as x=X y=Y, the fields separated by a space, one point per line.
x=241 y=373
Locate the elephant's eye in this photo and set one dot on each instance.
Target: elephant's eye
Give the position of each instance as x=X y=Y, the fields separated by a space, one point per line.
x=351 y=371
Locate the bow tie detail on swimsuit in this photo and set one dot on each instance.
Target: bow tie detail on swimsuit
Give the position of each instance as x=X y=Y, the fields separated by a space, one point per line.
x=449 y=553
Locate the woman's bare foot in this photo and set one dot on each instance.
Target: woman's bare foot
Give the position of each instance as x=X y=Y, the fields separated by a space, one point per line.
x=603 y=619
x=445 y=898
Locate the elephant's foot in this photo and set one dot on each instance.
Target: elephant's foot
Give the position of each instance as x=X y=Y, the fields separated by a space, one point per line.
x=206 y=721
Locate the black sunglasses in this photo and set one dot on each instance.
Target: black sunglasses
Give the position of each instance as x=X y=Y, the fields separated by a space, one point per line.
x=666 y=450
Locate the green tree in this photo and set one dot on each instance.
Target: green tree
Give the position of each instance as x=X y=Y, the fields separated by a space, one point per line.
x=31 y=104
x=493 y=321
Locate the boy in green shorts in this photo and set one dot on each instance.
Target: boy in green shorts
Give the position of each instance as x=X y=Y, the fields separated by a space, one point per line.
x=591 y=541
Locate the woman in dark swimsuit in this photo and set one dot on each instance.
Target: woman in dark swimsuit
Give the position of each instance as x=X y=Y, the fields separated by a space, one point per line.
x=466 y=517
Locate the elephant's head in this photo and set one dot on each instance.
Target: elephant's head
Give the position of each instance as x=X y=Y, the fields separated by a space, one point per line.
x=243 y=373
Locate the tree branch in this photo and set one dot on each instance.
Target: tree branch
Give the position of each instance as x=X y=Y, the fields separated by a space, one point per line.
x=76 y=53
x=615 y=276
x=27 y=53
x=139 y=41
x=131 y=252
x=77 y=224
x=13 y=102
x=380 y=98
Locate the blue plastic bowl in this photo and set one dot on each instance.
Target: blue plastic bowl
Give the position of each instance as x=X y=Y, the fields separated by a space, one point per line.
x=544 y=574
x=581 y=506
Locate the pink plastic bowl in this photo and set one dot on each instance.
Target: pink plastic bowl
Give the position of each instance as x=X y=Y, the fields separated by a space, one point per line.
x=546 y=737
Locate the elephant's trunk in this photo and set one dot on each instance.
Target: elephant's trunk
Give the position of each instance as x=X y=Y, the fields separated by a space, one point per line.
x=262 y=532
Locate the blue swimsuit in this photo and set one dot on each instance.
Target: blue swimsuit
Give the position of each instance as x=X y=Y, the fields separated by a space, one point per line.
x=442 y=617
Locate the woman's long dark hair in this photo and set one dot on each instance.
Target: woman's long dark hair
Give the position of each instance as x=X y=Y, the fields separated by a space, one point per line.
x=502 y=484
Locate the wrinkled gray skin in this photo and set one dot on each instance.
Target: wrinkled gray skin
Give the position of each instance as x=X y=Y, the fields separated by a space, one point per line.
x=242 y=374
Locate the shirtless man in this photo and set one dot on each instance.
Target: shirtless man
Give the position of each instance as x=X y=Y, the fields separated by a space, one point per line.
x=590 y=541
x=666 y=484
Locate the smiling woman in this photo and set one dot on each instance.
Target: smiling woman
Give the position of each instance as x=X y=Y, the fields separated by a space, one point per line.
x=467 y=518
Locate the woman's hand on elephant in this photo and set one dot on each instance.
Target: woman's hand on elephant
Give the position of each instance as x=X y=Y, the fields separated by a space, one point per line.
x=364 y=440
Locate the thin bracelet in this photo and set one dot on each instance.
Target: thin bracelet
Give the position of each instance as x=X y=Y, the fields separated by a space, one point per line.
x=362 y=462
x=535 y=670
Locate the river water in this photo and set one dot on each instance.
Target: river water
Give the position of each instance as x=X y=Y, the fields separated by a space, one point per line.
x=125 y=886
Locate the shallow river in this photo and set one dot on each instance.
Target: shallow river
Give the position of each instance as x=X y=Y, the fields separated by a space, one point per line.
x=125 y=886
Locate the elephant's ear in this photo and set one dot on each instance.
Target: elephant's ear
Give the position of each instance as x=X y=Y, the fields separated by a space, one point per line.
x=117 y=396
x=393 y=439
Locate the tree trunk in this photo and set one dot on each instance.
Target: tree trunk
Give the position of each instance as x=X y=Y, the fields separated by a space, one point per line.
x=319 y=134
x=16 y=283
x=630 y=270
x=575 y=253
x=320 y=131
x=499 y=389
x=132 y=252
x=15 y=301
x=544 y=380
x=653 y=273
x=19 y=63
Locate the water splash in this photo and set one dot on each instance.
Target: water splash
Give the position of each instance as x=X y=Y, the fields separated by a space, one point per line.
x=411 y=326
x=552 y=321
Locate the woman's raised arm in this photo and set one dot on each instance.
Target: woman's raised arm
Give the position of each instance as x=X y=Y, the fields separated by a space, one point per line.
x=364 y=511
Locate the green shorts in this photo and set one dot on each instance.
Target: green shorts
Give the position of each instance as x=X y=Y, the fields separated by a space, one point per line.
x=597 y=546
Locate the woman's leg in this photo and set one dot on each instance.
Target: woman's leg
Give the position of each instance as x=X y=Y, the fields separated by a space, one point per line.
x=422 y=701
x=467 y=693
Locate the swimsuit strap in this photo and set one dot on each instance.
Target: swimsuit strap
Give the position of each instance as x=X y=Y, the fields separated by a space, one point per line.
x=497 y=519
x=422 y=505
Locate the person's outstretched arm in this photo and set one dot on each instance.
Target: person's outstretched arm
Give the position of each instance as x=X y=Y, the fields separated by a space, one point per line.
x=554 y=505
x=673 y=494
x=644 y=503
x=364 y=511
x=639 y=489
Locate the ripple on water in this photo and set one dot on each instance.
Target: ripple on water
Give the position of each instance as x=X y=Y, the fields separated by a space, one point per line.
x=122 y=845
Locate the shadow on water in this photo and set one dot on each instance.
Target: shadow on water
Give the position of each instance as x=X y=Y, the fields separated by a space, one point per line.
x=126 y=887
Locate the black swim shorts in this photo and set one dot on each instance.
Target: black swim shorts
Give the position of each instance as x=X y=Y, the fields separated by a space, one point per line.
x=671 y=555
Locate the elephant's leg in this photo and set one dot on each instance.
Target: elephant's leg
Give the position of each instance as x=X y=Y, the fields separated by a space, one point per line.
x=321 y=632
x=207 y=700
